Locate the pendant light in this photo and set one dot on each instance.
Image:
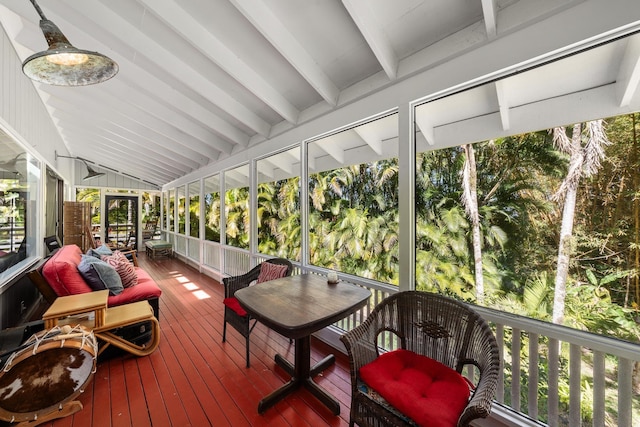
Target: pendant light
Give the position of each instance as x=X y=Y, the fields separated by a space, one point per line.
x=63 y=64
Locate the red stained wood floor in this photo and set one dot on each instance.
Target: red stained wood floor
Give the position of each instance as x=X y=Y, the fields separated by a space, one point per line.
x=193 y=379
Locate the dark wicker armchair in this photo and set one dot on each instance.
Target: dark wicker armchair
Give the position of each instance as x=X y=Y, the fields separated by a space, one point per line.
x=431 y=325
x=233 y=313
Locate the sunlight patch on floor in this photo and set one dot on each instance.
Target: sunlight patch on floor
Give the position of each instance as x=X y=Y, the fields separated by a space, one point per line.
x=201 y=294
x=190 y=286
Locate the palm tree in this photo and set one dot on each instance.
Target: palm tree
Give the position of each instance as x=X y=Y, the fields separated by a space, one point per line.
x=586 y=151
x=470 y=203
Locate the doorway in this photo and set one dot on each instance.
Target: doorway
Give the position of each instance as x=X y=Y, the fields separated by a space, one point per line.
x=121 y=221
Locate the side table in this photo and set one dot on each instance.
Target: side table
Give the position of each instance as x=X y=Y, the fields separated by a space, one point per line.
x=90 y=311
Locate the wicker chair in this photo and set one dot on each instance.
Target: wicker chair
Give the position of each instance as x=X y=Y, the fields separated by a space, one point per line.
x=431 y=325
x=243 y=323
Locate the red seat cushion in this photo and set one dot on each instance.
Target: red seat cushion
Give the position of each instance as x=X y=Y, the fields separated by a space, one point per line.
x=234 y=305
x=428 y=392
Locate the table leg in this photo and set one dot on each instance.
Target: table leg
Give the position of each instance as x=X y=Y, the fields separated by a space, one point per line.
x=301 y=375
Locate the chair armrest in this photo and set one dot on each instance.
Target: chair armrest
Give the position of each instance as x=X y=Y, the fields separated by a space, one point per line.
x=361 y=346
x=481 y=398
x=234 y=283
x=133 y=256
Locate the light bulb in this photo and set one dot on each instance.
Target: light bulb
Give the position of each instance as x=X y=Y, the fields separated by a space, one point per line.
x=68 y=59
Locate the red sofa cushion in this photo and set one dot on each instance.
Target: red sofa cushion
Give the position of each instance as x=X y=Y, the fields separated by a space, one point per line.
x=61 y=272
x=428 y=392
x=145 y=289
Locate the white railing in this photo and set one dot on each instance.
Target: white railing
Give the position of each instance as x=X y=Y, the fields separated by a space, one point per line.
x=557 y=367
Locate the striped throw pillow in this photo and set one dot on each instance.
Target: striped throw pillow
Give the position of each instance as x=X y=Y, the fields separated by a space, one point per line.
x=270 y=271
x=125 y=269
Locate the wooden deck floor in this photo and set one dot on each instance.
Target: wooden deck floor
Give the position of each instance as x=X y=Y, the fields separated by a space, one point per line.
x=193 y=379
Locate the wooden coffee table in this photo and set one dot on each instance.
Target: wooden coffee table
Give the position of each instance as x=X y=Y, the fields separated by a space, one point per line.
x=90 y=311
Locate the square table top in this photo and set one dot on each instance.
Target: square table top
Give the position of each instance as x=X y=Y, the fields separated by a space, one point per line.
x=76 y=304
x=296 y=306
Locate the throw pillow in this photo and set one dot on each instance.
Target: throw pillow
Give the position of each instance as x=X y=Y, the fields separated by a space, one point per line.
x=99 y=275
x=269 y=271
x=427 y=391
x=123 y=267
x=99 y=251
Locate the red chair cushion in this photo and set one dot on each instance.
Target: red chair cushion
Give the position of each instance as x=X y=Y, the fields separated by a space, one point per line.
x=270 y=271
x=234 y=305
x=428 y=392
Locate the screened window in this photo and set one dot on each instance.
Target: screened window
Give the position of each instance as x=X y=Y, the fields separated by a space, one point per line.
x=278 y=204
x=193 y=189
x=236 y=204
x=212 y=208
x=353 y=207
x=172 y=209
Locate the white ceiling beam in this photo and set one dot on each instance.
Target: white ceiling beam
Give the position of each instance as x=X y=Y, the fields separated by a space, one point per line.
x=115 y=144
x=265 y=21
x=370 y=137
x=109 y=108
x=629 y=72
x=365 y=20
x=426 y=127
x=170 y=117
x=174 y=16
x=164 y=59
x=126 y=163
x=282 y=161
x=503 y=104
x=490 y=13
x=162 y=94
x=267 y=169
x=334 y=149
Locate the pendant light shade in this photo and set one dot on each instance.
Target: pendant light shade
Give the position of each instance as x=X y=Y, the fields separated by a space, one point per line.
x=63 y=64
x=91 y=172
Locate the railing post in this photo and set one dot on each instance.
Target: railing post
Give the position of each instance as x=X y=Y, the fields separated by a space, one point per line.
x=532 y=395
x=575 y=379
x=553 y=402
x=599 y=386
x=625 y=392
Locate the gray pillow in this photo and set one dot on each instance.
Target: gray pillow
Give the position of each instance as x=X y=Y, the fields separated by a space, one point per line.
x=99 y=251
x=99 y=275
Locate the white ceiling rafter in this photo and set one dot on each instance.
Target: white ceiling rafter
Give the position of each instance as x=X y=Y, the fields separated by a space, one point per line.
x=629 y=73
x=105 y=110
x=183 y=23
x=259 y=14
x=489 y=12
x=503 y=104
x=282 y=161
x=370 y=137
x=205 y=84
x=379 y=43
x=165 y=60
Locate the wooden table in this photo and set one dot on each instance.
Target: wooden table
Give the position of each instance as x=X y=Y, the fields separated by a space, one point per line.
x=90 y=311
x=295 y=307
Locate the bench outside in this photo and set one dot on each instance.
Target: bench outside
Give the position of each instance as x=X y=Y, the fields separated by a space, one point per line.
x=158 y=247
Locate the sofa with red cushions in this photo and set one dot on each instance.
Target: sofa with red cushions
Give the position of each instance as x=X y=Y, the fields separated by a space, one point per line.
x=63 y=274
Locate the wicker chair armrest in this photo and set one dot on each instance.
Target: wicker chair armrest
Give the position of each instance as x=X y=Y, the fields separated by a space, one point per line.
x=361 y=346
x=234 y=283
x=480 y=404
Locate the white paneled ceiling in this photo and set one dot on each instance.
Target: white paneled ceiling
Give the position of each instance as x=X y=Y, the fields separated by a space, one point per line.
x=201 y=80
